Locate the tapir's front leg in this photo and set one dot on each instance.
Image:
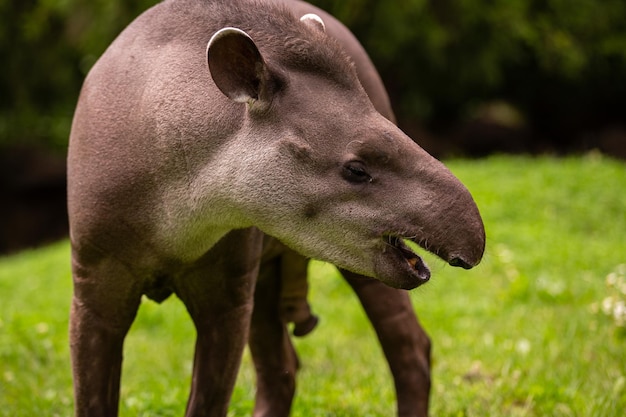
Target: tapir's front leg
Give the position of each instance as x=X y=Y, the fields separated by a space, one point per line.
x=274 y=357
x=105 y=301
x=218 y=293
x=405 y=343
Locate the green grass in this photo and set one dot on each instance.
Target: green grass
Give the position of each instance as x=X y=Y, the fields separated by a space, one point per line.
x=523 y=334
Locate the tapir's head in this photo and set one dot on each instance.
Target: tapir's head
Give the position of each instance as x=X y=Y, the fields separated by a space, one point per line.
x=328 y=175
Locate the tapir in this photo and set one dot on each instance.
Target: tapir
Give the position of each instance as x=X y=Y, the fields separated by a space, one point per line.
x=206 y=126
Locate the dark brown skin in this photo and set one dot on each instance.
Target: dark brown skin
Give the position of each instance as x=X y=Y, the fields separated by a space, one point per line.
x=172 y=162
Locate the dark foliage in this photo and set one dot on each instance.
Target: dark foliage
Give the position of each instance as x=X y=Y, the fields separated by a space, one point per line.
x=549 y=73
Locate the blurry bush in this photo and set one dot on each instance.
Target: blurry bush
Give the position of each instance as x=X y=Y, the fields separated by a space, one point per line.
x=557 y=66
x=560 y=63
x=46 y=49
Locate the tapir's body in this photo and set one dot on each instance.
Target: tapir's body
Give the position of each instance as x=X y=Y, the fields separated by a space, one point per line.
x=171 y=162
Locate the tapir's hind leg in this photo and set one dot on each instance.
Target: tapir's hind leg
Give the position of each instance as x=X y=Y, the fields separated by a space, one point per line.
x=294 y=291
x=273 y=354
x=104 y=305
x=405 y=344
x=218 y=293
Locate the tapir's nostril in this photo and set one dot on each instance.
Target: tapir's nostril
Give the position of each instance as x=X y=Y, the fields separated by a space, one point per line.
x=456 y=261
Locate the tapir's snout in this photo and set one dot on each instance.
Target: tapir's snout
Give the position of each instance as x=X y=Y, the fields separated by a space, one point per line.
x=471 y=257
x=419 y=202
x=470 y=239
x=445 y=221
x=460 y=262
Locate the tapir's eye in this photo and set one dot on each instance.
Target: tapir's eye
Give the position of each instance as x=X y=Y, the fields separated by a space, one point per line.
x=354 y=172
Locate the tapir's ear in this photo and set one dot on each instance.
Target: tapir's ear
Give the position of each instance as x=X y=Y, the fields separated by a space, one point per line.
x=314 y=21
x=236 y=65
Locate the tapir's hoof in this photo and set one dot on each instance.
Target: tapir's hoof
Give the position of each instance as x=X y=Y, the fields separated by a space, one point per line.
x=305 y=327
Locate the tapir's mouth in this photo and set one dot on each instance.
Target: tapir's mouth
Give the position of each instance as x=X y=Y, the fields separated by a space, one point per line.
x=413 y=263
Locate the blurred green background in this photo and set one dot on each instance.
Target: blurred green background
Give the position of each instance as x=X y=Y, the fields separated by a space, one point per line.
x=467 y=78
x=544 y=75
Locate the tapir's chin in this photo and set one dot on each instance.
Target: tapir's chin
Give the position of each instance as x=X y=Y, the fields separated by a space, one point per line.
x=399 y=267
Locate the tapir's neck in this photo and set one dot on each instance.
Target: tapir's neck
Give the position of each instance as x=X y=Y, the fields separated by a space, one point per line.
x=195 y=217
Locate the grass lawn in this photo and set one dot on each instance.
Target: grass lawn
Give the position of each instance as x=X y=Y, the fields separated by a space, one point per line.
x=535 y=330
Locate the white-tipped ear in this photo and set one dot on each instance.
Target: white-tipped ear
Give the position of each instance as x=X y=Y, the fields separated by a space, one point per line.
x=314 y=21
x=236 y=65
